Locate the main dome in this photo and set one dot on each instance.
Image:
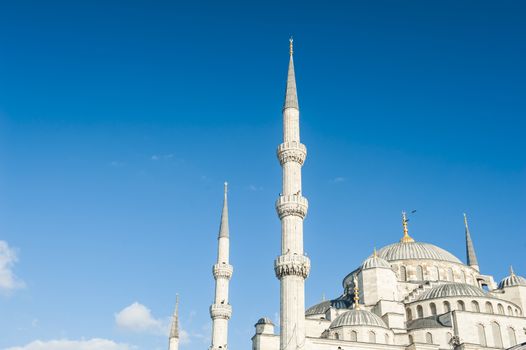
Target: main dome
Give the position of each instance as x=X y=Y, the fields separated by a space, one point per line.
x=452 y=290
x=358 y=318
x=415 y=250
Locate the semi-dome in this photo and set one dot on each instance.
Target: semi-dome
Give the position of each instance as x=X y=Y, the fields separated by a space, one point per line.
x=452 y=290
x=416 y=250
x=358 y=318
x=375 y=262
x=343 y=302
x=512 y=280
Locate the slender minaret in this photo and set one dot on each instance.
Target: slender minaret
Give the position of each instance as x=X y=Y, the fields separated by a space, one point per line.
x=220 y=310
x=292 y=266
x=173 y=343
x=470 y=249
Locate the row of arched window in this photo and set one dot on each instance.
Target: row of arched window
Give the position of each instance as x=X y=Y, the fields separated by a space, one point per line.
x=460 y=305
x=449 y=275
x=353 y=336
x=497 y=335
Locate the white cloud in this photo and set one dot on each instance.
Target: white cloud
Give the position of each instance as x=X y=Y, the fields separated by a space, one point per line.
x=338 y=179
x=8 y=258
x=162 y=156
x=138 y=318
x=64 y=344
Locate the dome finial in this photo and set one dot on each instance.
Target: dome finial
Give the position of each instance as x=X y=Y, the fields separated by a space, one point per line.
x=375 y=255
x=291 y=46
x=406 y=238
x=512 y=273
x=356 y=294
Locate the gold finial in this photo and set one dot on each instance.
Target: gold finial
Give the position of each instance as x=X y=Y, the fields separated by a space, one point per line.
x=375 y=255
x=356 y=294
x=512 y=273
x=406 y=238
x=291 y=46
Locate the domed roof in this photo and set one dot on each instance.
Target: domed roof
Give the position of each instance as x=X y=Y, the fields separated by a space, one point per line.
x=518 y=347
x=512 y=280
x=358 y=318
x=416 y=250
x=264 y=320
x=343 y=302
x=452 y=290
x=375 y=262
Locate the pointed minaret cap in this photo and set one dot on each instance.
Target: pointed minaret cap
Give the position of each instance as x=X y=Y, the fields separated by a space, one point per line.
x=223 y=228
x=291 y=95
x=406 y=238
x=470 y=249
x=174 y=331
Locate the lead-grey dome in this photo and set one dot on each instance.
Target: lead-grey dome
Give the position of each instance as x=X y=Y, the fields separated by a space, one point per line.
x=375 y=262
x=512 y=280
x=358 y=318
x=416 y=250
x=452 y=290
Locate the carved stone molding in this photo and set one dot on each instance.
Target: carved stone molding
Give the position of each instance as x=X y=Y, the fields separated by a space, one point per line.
x=292 y=151
x=292 y=205
x=222 y=271
x=291 y=264
x=221 y=311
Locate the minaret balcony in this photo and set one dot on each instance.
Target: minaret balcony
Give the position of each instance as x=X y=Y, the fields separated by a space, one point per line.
x=292 y=151
x=292 y=264
x=295 y=204
x=221 y=311
x=222 y=271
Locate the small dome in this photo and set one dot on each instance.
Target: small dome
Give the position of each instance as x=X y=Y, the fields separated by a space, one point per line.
x=264 y=320
x=343 y=302
x=452 y=290
x=416 y=250
x=358 y=318
x=375 y=262
x=512 y=280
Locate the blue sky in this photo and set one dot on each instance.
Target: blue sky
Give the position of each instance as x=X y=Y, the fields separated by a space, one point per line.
x=119 y=123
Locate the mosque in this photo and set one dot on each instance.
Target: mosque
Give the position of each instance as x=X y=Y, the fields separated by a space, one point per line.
x=409 y=295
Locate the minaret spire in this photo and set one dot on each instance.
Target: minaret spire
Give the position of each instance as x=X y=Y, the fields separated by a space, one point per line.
x=174 y=330
x=220 y=310
x=292 y=266
x=470 y=249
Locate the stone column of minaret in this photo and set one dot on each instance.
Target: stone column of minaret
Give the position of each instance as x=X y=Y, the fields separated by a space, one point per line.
x=470 y=249
x=220 y=310
x=292 y=266
x=173 y=343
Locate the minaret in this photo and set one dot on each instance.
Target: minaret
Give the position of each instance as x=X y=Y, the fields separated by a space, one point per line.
x=470 y=249
x=174 y=331
x=220 y=310
x=292 y=266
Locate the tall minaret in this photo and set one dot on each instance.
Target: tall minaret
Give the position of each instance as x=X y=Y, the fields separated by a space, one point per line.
x=174 y=331
x=220 y=310
x=470 y=249
x=292 y=266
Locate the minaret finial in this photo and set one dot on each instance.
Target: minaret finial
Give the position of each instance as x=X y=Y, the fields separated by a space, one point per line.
x=356 y=294
x=375 y=255
x=174 y=331
x=470 y=249
x=406 y=238
x=291 y=46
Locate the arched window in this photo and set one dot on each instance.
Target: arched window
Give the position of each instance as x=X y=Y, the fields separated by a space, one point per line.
x=517 y=312
x=511 y=336
x=475 y=306
x=461 y=306
x=372 y=337
x=386 y=338
x=447 y=306
x=450 y=274
x=411 y=341
x=433 y=308
x=437 y=273
x=420 y=311
x=482 y=335
x=336 y=336
x=403 y=273
x=510 y=311
x=501 y=309
x=489 y=308
x=497 y=336
x=419 y=273
x=429 y=338
x=354 y=336
x=409 y=314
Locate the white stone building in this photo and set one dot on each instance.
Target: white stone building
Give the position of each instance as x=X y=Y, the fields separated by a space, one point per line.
x=409 y=295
